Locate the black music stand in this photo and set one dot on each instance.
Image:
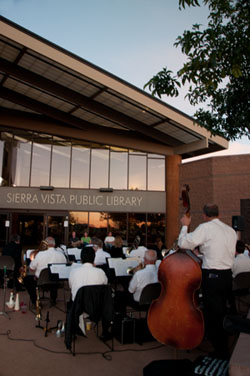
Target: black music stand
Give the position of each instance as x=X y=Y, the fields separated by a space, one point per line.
x=46 y=327
x=6 y=264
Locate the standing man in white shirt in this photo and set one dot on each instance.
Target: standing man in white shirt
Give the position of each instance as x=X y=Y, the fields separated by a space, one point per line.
x=216 y=242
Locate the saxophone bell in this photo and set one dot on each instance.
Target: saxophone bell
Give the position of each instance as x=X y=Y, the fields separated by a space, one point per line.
x=132 y=271
x=23 y=274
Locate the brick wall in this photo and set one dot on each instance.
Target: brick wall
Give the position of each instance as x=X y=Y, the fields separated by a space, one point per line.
x=222 y=180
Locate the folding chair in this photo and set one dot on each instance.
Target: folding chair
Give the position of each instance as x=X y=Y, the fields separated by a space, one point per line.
x=97 y=302
x=241 y=291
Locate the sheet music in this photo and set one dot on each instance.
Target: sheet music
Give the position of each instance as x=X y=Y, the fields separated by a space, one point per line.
x=121 y=265
x=61 y=269
x=75 y=252
x=28 y=252
x=111 y=261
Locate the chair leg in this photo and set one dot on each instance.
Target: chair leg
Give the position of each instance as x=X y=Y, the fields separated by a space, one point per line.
x=74 y=345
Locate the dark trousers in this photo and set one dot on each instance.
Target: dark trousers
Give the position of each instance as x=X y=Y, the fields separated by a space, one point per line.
x=30 y=283
x=217 y=292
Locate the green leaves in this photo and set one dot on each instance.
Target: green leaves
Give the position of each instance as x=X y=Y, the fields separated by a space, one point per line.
x=163 y=83
x=217 y=68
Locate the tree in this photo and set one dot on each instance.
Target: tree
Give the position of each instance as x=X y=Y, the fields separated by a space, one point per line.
x=216 y=70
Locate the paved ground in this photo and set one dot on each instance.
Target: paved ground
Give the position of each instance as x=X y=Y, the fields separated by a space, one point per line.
x=26 y=351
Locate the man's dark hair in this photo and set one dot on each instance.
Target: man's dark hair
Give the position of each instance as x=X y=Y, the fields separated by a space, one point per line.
x=87 y=255
x=240 y=246
x=211 y=210
x=15 y=238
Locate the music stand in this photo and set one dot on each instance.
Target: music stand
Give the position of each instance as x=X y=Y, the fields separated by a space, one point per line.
x=8 y=263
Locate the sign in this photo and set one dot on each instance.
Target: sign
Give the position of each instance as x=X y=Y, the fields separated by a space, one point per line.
x=82 y=200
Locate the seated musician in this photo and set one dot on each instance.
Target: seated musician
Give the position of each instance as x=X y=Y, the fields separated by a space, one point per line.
x=143 y=276
x=86 y=274
x=40 y=262
x=159 y=247
x=116 y=251
x=137 y=249
x=100 y=255
x=241 y=262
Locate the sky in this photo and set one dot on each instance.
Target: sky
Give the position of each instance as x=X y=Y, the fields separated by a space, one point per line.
x=132 y=39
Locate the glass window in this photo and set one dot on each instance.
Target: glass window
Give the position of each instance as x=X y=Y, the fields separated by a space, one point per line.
x=78 y=222
x=56 y=228
x=1 y=162
x=137 y=226
x=155 y=227
x=80 y=167
x=118 y=170
x=117 y=223
x=156 y=174
x=98 y=224
x=137 y=172
x=5 y=158
x=21 y=155
x=60 y=166
x=99 y=168
x=40 y=164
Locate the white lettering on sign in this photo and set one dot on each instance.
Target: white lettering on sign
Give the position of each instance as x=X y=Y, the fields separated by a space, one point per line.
x=22 y=198
x=53 y=198
x=86 y=200
x=123 y=201
x=73 y=199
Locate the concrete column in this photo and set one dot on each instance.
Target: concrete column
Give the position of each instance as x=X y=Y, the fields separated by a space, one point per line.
x=172 y=198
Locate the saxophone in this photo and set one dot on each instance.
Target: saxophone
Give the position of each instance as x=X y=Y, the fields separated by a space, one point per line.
x=43 y=246
x=135 y=245
x=38 y=306
x=23 y=274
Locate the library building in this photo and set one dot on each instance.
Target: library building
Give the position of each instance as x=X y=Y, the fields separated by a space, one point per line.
x=83 y=150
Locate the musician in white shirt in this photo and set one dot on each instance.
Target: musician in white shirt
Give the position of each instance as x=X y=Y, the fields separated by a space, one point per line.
x=86 y=274
x=241 y=261
x=216 y=242
x=100 y=255
x=145 y=276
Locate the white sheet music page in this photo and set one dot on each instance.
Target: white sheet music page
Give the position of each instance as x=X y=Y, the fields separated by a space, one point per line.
x=61 y=269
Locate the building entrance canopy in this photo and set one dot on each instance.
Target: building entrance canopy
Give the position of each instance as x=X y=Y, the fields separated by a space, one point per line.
x=44 y=87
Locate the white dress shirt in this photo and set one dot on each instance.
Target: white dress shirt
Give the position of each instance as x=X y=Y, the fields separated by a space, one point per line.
x=216 y=241
x=85 y=275
x=43 y=258
x=241 y=264
x=141 y=279
x=101 y=256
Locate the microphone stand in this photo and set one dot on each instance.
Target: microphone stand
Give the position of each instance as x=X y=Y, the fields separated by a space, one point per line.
x=3 y=313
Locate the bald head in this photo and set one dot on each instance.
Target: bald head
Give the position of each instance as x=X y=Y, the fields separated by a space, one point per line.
x=150 y=257
x=51 y=242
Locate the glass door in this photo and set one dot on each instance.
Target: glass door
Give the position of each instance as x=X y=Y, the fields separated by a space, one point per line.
x=55 y=227
x=4 y=230
x=30 y=227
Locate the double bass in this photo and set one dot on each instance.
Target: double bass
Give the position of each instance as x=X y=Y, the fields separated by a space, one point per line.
x=174 y=318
